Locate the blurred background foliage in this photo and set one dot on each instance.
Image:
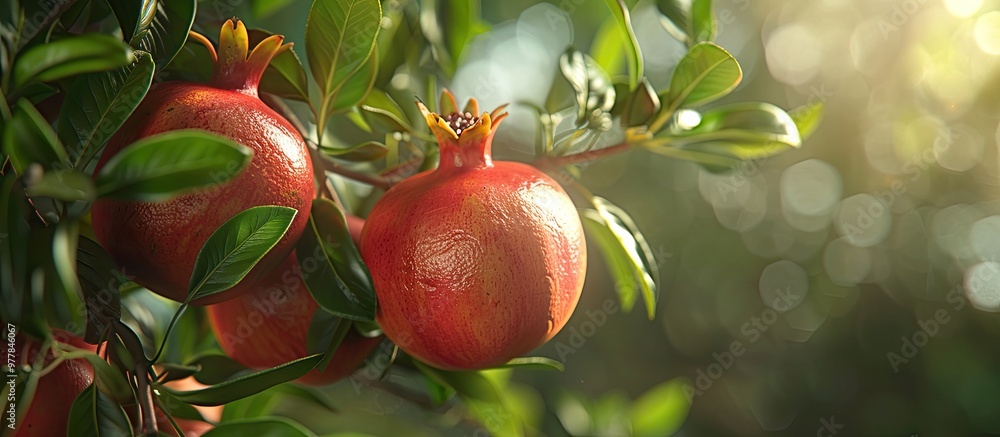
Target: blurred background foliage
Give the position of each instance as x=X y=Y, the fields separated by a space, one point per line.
x=845 y=288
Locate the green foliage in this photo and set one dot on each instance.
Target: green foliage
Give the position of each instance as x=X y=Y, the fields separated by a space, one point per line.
x=236 y=247
x=28 y=139
x=166 y=165
x=632 y=52
x=247 y=385
x=333 y=270
x=70 y=56
x=660 y=411
x=265 y=427
x=162 y=29
x=284 y=76
x=94 y=414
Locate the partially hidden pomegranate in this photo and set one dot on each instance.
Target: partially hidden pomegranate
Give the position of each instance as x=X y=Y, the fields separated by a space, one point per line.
x=157 y=243
x=478 y=261
x=47 y=413
x=268 y=326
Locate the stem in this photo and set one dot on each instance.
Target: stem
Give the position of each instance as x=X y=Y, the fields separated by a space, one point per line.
x=145 y=400
x=576 y=158
x=370 y=179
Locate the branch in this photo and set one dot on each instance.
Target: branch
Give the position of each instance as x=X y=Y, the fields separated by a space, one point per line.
x=547 y=163
x=370 y=179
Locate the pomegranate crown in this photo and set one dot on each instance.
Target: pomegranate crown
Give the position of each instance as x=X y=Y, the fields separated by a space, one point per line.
x=234 y=68
x=464 y=138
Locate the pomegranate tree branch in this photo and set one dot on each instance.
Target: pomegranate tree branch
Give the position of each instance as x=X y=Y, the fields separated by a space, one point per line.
x=546 y=163
x=370 y=179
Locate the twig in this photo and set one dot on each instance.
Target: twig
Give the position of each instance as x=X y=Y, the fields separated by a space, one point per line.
x=547 y=163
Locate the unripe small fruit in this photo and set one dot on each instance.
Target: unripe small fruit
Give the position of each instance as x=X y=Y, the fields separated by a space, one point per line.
x=478 y=261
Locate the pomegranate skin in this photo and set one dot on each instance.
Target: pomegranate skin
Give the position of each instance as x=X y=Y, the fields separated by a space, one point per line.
x=48 y=412
x=476 y=262
x=269 y=325
x=158 y=243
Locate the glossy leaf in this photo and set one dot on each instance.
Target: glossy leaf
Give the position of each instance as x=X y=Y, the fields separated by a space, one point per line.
x=340 y=283
x=450 y=25
x=99 y=282
x=703 y=24
x=742 y=131
x=70 y=56
x=635 y=64
x=248 y=385
x=356 y=87
x=235 y=248
x=216 y=368
x=326 y=332
x=13 y=265
x=95 y=414
x=593 y=87
x=807 y=118
x=364 y=152
x=28 y=138
x=691 y=21
x=608 y=47
x=660 y=411
x=260 y=427
x=540 y=363
x=62 y=185
x=162 y=166
x=641 y=105
x=481 y=396
x=626 y=252
x=167 y=31
x=109 y=380
x=284 y=76
x=706 y=73
x=101 y=104
x=381 y=107
x=133 y=17
x=340 y=37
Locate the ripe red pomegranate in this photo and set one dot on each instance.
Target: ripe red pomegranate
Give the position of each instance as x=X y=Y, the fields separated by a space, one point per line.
x=158 y=243
x=478 y=261
x=268 y=326
x=48 y=412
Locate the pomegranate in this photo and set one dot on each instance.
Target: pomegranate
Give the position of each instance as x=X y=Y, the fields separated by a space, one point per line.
x=477 y=261
x=268 y=326
x=48 y=412
x=157 y=243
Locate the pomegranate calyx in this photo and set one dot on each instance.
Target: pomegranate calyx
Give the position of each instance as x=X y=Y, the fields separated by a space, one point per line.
x=234 y=68
x=464 y=139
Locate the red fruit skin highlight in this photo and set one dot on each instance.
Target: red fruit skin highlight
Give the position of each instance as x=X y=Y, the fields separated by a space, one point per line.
x=158 y=243
x=476 y=262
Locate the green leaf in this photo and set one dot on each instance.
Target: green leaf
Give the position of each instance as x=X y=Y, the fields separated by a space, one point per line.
x=706 y=73
x=483 y=398
x=660 y=411
x=742 y=131
x=326 y=332
x=166 y=165
x=70 y=56
x=541 y=363
x=381 y=107
x=608 y=47
x=341 y=283
x=94 y=414
x=284 y=76
x=449 y=25
x=626 y=252
x=340 y=37
x=13 y=263
x=641 y=105
x=703 y=24
x=62 y=185
x=109 y=380
x=356 y=87
x=235 y=248
x=133 y=17
x=167 y=31
x=620 y=12
x=28 y=138
x=217 y=368
x=262 y=427
x=193 y=63
x=807 y=118
x=364 y=152
x=243 y=386
x=101 y=104
x=592 y=85
x=99 y=282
